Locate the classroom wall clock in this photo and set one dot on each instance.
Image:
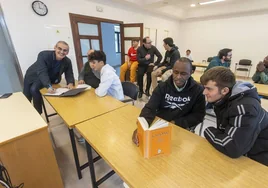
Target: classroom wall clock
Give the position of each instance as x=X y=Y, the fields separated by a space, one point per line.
x=40 y=8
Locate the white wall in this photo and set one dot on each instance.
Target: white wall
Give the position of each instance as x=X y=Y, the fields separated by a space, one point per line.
x=29 y=35
x=246 y=35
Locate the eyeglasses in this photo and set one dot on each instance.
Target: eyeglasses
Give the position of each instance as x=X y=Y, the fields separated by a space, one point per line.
x=63 y=50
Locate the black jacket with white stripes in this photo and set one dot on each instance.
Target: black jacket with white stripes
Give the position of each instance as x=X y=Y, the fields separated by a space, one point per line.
x=242 y=125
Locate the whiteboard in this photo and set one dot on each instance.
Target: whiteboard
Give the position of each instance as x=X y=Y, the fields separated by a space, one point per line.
x=55 y=33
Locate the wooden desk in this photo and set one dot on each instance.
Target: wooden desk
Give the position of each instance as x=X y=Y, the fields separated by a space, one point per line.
x=261 y=88
x=196 y=77
x=87 y=105
x=202 y=65
x=76 y=109
x=25 y=147
x=264 y=104
x=192 y=163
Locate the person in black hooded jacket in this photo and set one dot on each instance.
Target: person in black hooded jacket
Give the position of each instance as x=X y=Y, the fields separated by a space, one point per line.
x=242 y=124
x=179 y=99
x=164 y=69
x=88 y=75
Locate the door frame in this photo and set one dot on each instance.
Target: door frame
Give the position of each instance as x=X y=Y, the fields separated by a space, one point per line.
x=11 y=46
x=123 y=38
x=74 y=18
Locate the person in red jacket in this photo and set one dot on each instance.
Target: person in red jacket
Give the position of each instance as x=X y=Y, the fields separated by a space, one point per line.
x=131 y=62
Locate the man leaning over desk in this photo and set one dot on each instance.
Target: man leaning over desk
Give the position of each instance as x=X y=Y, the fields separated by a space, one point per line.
x=47 y=70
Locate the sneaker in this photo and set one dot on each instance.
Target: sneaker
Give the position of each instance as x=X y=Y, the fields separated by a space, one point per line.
x=81 y=140
x=140 y=95
x=147 y=93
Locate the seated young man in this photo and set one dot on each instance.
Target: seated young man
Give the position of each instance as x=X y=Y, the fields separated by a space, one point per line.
x=179 y=99
x=164 y=69
x=261 y=74
x=88 y=75
x=223 y=59
x=242 y=124
x=188 y=55
x=109 y=82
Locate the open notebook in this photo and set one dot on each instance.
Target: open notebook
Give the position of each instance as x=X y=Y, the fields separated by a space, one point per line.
x=65 y=92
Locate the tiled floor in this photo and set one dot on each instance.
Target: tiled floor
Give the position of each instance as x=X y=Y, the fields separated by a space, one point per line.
x=64 y=155
x=63 y=151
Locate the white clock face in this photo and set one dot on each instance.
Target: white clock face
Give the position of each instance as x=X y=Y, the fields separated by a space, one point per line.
x=39 y=8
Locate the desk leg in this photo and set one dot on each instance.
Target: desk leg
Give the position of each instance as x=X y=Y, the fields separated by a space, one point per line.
x=77 y=164
x=45 y=110
x=91 y=166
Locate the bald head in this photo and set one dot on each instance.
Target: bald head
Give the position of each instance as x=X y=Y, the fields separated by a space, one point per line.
x=185 y=62
x=62 y=42
x=182 y=71
x=90 y=51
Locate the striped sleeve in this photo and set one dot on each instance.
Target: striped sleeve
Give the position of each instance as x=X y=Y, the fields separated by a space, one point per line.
x=238 y=135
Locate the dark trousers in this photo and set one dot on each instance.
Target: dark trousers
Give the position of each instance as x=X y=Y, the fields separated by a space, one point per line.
x=141 y=72
x=31 y=91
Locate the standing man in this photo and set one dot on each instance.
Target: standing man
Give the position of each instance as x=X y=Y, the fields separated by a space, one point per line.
x=261 y=74
x=164 y=70
x=145 y=57
x=131 y=62
x=223 y=59
x=47 y=70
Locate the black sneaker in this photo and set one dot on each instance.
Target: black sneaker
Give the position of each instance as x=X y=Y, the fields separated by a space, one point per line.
x=147 y=93
x=140 y=95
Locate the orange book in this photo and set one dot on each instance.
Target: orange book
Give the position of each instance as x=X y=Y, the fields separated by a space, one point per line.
x=154 y=140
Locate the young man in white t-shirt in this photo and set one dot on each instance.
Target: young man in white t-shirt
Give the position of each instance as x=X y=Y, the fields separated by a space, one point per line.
x=110 y=83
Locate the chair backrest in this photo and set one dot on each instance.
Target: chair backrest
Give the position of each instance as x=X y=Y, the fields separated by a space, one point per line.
x=246 y=62
x=130 y=90
x=209 y=59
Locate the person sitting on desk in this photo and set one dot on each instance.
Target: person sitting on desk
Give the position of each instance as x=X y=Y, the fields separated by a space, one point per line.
x=145 y=57
x=261 y=74
x=164 y=69
x=47 y=70
x=180 y=99
x=131 y=62
x=110 y=83
x=242 y=123
x=88 y=75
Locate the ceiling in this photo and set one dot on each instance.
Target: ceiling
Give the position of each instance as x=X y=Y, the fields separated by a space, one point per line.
x=181 y=9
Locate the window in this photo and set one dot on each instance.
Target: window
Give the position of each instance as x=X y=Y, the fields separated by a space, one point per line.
x=117 y=38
